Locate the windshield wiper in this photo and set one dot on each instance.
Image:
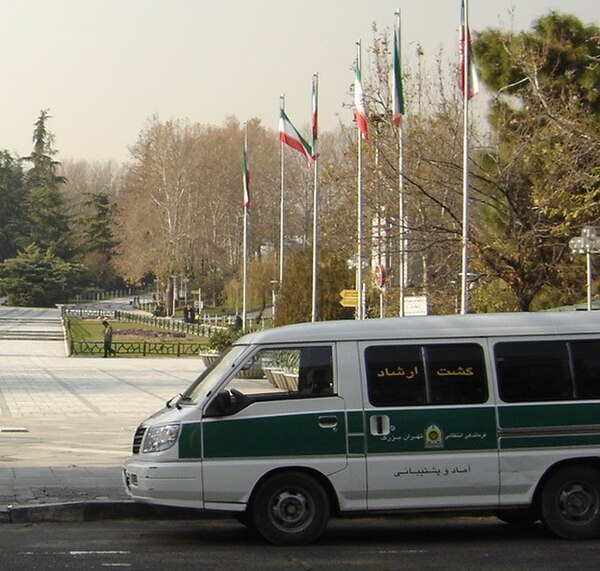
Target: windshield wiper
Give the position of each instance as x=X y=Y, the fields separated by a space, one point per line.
x=180 y=398
x=183 y=398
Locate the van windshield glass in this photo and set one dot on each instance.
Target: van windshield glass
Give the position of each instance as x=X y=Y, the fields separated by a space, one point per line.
x=212 y=375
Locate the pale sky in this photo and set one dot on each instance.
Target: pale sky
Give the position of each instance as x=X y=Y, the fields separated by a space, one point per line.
x=103 y=67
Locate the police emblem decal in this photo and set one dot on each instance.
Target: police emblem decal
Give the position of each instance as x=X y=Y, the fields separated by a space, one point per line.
x=434 y=437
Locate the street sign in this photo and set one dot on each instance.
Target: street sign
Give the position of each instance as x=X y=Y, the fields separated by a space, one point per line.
x=380 y=276
x=349 y=293
x=349 y=298
x=415 y=305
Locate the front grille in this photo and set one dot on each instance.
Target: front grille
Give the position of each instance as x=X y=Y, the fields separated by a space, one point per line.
x=137 y=439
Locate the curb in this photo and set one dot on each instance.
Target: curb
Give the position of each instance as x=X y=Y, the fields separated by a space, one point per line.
x=95 y=511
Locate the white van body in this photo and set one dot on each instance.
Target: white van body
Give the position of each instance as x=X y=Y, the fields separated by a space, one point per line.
x=491 y=413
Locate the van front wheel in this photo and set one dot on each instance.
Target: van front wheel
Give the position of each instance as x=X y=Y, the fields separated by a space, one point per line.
x=571 y=502
x=290 y=508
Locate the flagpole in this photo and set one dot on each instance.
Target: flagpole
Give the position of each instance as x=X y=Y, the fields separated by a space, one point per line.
x=289 y=135
x=401 y=215
x=464 y=302
x=315 y=264
x=359 y=276
x=245 y=239
x=281 y=202
x=401 y=229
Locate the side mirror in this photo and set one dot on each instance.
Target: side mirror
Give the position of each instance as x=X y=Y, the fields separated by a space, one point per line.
x=227 y=402
x=223 y=401
x=220 y=404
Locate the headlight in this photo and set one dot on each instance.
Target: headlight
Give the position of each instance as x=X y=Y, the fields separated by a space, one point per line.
x=159 y=438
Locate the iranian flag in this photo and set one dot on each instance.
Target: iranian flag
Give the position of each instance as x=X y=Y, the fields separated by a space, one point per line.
x=315 y=115
x=465 y=38
x=246 y=175
x=289 y=135
x=397 y=94
x=360 y=109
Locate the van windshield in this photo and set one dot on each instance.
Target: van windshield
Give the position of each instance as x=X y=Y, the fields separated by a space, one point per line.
x=212 y=375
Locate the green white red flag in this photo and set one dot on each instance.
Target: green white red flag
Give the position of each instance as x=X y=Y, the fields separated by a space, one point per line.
x=289 y=135
x=360 y=108
x=465 y=38
x=397 y=92
x=246 y=178
x=315 y=115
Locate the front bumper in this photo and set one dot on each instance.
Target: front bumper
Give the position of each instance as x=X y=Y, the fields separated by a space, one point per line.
x=164 y=483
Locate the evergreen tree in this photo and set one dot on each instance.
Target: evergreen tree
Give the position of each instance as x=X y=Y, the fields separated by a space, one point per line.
x=46 y=217
x=97 y=233
x=97 y=240
x=37 y=278
x=12 y=195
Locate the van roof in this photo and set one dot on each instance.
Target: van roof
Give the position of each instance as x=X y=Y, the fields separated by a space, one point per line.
x=430 y=327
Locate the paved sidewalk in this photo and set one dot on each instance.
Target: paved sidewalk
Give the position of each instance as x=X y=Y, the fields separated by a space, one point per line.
x=67 y=423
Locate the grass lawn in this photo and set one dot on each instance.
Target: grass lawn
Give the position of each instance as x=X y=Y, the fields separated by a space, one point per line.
x=93 y=330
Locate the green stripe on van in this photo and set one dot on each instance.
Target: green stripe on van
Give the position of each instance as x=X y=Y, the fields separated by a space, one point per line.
x=355 y=421
x=555 y=441
x=190 y=441
x=274 y=436
x=549 y=414
x=456 y=428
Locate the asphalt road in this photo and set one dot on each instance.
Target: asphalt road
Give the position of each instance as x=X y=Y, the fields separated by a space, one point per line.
x=364 y=544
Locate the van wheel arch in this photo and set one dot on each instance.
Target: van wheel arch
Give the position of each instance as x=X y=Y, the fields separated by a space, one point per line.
x=568 y=499
x=323 y=480
x=291 y=506
x=592 y=462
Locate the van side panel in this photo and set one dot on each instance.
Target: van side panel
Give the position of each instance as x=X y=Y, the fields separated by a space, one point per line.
x=548 y=407
x=443 y=457
x=351 y=484
x=533 y=437
x=436 y=445
x=239 y=450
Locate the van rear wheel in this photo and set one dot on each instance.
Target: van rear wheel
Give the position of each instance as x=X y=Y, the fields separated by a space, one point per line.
x=570 y=503
x=290 y=508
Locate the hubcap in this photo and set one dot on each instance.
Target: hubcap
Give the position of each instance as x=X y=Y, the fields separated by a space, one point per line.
x=578 y=504
x=290 y=509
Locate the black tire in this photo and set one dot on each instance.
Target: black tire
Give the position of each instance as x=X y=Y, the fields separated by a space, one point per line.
x=245 y=519
x=518 y=518
x=290 y=508
x=570 y=503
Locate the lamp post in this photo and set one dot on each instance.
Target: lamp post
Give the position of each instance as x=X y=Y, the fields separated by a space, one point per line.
x=588 y=243
x=185 y=282
x=274 y=285
x=174 y=304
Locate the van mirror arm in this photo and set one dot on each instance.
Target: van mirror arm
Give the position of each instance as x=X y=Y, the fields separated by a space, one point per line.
x=227 y=402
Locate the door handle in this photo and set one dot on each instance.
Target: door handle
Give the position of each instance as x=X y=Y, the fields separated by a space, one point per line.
x=328 y=421
x=379 y=424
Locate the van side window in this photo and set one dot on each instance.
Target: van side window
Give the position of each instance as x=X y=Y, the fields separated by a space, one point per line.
x=395 y=375
x=586 y=367
x=547 y=370
x=414 y=375
x=275 y=374
x=457 y=374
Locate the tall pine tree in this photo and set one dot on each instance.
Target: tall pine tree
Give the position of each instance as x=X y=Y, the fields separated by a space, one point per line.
x=47 y=221
x=12 y=195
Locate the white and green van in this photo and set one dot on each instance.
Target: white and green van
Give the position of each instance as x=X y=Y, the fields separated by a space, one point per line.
x=480 y=414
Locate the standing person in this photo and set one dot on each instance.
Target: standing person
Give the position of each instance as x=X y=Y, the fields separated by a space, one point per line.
x=108 y=333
